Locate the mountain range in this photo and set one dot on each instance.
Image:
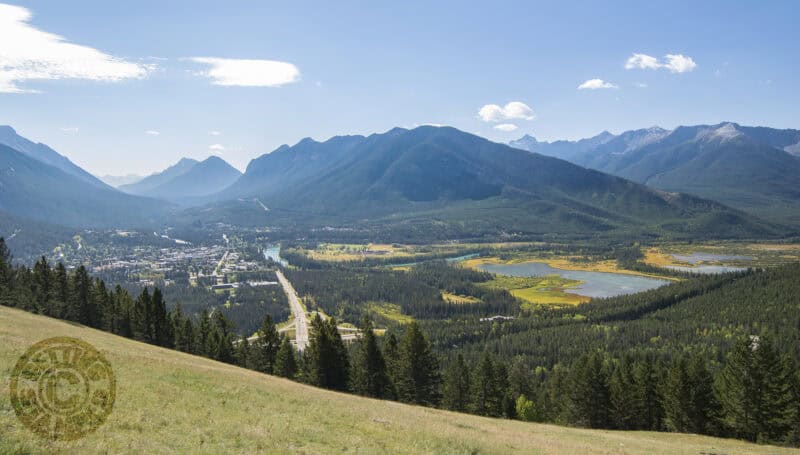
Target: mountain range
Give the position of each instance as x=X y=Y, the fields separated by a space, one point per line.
x=427 y=179
x=756 y=169
x=444 y=175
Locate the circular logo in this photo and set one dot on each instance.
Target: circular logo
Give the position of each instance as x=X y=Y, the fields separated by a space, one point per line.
x=62 y=388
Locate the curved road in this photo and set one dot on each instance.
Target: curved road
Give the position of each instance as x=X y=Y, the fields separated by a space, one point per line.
x=300 y=321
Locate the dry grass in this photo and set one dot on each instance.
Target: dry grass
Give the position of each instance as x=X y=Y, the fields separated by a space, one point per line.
x=168 y=402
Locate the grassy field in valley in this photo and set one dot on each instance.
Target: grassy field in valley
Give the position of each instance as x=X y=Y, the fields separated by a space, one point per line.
x=169 y=402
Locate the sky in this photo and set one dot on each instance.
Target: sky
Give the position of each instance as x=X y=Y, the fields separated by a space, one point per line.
x=131 y=87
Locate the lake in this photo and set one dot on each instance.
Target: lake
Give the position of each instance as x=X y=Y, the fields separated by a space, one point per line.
x=595 y=284
x=697 y=257
x=707 y=269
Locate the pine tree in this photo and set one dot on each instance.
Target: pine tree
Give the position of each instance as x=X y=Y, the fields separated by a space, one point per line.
x=487 y=396
x=162 y=333
x=369 y=374
x=182 y=329
x=677 y=397
x=242 y=352
x=391 y=353
x=589 y=396
x=203 y=344
x=754 y=390
x=625 y=407
x=326 y=361
x=703 y=410
x=286 y=360
x=44 y=286
x=418 y=374
x=61 y=306
x=143 y=317
x=221 y=338
x=81 y=306
x=266 y=346
x=456 y=391
x=647 y=376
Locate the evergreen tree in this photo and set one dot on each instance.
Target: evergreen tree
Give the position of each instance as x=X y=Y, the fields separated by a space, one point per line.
x=391 y=353
x=221 y=338
x=242 y=352
x=703 y=410
x=266 y=346
x=456 y=391
x=143 y=317
x=182 y=329
x=203 y=344
x=162 y=333
x=589 y=396
x=326 y=362
x=625 y=406
x=61 y=306
x=417 y=370
x=754 y=390
x=286 y=360
x=487 y=397
x=647 y=377
x=677 y=397
x=44 y=286
x=369 y=374
x=81 y=306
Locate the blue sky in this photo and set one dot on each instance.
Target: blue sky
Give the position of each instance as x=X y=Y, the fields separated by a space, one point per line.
x=135 y=98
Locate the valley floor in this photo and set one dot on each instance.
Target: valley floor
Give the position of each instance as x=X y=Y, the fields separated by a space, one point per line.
x=170 y=402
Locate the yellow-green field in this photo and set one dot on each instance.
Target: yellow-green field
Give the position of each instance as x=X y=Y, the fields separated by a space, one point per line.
x=390 y=312
x=461 y=299
x=169 y=402
x=763 y=254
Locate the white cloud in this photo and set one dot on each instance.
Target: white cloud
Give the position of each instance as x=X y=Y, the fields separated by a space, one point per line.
x=152 y=133
x=641 y=85
x=248 y=73
x=514 y=110
x=27 y=53
x=675 y=63
x=506 y=127
x=595 y=84
x=70 y=130
x=214 y=133
x=642 y=61
x=678 y=63
x=216 y=148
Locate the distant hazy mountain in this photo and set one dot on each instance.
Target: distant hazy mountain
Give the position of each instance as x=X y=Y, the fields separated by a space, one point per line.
x=752 y=168
x=187 y=179
x=32 y=189
x=561 y=149
x=153 y=181
x=446 y=174
x=119 y=180
x=43 y=153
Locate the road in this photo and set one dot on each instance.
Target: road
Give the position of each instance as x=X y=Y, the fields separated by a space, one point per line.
x=266 y=209
x=299 y=313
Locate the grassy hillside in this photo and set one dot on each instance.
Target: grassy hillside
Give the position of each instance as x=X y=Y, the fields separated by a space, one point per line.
x=173 y=402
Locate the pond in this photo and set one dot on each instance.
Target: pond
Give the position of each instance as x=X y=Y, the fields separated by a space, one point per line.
x=595 y=284
x=696 y=257
x=707 y=269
